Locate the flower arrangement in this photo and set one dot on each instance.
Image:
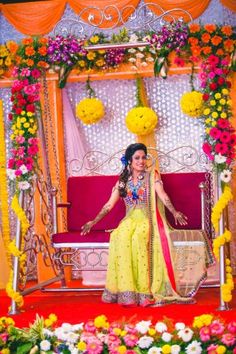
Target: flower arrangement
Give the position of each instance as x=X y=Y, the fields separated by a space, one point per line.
x=7 y=52
x=171 y=37
x=64 y=53
x=192 y=103
x=206 y=334
x=141 y=120
x=90 y=110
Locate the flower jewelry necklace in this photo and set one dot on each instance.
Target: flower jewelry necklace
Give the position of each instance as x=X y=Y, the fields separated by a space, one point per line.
x=136 y=190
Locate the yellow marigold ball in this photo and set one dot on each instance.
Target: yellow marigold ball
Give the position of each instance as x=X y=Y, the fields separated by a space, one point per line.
x=192 y=104
x=90 y=110
x=141 y=120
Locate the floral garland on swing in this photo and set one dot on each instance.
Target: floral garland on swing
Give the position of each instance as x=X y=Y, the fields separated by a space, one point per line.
x=212 y=45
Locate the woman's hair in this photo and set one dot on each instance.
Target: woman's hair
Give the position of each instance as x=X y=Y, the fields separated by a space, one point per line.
x=129 y=152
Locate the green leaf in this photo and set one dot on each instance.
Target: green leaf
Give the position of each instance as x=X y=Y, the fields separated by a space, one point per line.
x=24 y=348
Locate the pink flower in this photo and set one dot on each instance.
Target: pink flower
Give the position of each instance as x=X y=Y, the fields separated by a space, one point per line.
x=215 y=133
x=221 y=149
x=25 y=72
x=18 y=172
x=234 y=351
x=212 y=349
x=4 y=337
x=19 y=163
x=228 y=339
x=216 y=326
x=11 y=163
x=225 y=137
x=33 y=141
x=222 y=123
x=130 y=340
x=89 y=326
x=36 y=73
x=218 y=71
x=179 y=61
x=205 y=333
x=130 y=329
x=206 y=147
x=20 y=139
x=202 y=76
x=29 y=167
x=211 y=75
x=21 y=151
x=232 y=327
x=225 y=62
x=31 y=89
x=213 y=60
x=94 y=348
x=15 y=71
x=33 y=150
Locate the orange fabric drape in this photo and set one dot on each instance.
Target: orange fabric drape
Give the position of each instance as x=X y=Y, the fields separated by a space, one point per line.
x=231 y=4
x=34 y=18
x=126 y=7
x=194 y=7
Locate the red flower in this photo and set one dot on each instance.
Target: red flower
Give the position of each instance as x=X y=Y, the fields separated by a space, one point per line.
x=228 y=83
x=215 y=133
x=30 y=108
x=225 y=137
x=222 y=123
x=221 y=148
x=205 y=96
x=213 y=86
x=221 y=81
x=10 y=116
x=233 y=139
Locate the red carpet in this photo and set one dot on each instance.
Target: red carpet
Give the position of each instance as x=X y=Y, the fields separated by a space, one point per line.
x=78 y=307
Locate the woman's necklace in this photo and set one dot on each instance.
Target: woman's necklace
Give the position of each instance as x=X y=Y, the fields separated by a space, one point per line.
x=137 y=190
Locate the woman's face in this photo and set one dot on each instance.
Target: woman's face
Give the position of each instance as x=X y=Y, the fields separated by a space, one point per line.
x=138 y=162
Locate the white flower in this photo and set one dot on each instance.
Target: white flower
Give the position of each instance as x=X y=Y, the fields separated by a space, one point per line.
x=72 y=349
x=175 y=349
x=150 y=59
x=166 y=337
x=145 y=342
x=78 y=327
x=139 y=55
x=45 y=345
x=144 y=64
x=66 y=327
x=146 y=38
x=132 y=50
x=72 y=337
x=143 y=326
x=179 y=326
x=132 y=60
x=60 y=334
x=194 y=347
x=24 y=185
x=154 y=350
x=220 y=159
x=185 y=334
x=225 y=176
x=161 y=327
x=133 y=67
x=24 y=169
x=11 y=174
x=133 y=38
x=47 y=332
x=141 y=49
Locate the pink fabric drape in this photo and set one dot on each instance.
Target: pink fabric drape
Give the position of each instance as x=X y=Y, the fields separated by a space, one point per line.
x=74 y=141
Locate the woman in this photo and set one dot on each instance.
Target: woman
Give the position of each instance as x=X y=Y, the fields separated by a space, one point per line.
x=140 y=270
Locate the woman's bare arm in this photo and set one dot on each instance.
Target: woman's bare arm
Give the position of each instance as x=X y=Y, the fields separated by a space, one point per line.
x=178 y=216
x=107 y=207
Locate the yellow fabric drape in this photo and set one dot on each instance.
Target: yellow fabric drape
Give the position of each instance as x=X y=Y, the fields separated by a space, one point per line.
x=231 y=4
x=34 y=18
x=194 y=7
x=126 y=7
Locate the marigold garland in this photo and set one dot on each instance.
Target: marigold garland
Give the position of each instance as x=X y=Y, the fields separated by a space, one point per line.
x=15 y=295
x=3 y=188
x=141 y=120
x=220 y=205
x=192 y=103
x=90 y=110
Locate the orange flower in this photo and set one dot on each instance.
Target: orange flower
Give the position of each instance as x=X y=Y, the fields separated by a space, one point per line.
x=193 y=41
x=196 y=50
x=29 y=51
x=12 y=46
x=206 y=50
x=194 y=27
x=43 y=50
x=210 y=28
x=42 y=64
x=29 y=62
x=18 y=60
x=206 y=37
x=229 y=45
x=219 y=52
x=43 y=40
x=27 y=41
x=216 y=40
x=227 y=30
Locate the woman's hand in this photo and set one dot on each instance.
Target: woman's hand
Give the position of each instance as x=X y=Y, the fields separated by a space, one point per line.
x=180 y=218
x=85 y=229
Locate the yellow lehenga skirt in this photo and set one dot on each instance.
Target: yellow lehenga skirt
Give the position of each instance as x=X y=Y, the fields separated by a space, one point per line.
x=128 y=274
